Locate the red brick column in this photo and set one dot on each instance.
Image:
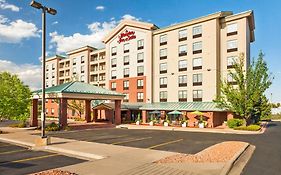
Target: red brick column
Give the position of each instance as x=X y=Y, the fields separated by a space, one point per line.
x=143 y=116
x=63 y=112
x=88 y=110
x=34 y=113
x=117 y=112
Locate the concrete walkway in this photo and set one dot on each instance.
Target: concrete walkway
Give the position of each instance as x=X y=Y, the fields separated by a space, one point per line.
x=111 y=159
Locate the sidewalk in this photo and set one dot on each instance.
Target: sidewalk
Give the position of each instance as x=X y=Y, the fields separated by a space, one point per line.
x=112 y=159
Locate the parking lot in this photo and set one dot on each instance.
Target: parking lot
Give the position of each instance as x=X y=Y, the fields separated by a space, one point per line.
x=267 y=144
x=17 y=160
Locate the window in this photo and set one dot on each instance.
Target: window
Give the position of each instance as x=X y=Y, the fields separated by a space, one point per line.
x=163 y=40
x=47 y=67
x=113 y=74
x=53 y=83
x=140 y=84
x=232 y=46
x=52 y=111
x=197 y=31
x=197 y=79
x=163 y=82
x=82 y=78
x=82 y=59
x=126 y=48
x=197 y=47
x=163 y=68
x=140 y=70
x=114 y=51
x=182 y=65
x=102 y=77
x=182 y=95
x=102 y=66
x=163 y=54
x=74 y=70
x=82 y=69
x=140 y=44
x=53 y=74
x=126 y=72
x=230 y=79
x=231 y=61
x=126 y=98
x=182 y=50
x=47 y=84
x=197 y=63
x=182 y=80
x=74 y=61
x=140 y=97
x=126 y=60
x=46 y=109
x=183 y=35
x=197 y=95
x=140 y=57
x=163 y=96
x=113 y=62
x=47 y=76
x=232 y=29
x=53 y=66
x=113 y=86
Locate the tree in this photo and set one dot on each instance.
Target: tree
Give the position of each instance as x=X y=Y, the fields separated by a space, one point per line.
x=14 y=97
x=247 y=99
x=76 y=105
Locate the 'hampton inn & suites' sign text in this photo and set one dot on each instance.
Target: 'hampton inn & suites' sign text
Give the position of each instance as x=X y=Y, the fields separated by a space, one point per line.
x=126 y=36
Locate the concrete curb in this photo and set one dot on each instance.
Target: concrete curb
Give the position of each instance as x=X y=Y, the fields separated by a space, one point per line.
x=227 y=167
x=25 y=144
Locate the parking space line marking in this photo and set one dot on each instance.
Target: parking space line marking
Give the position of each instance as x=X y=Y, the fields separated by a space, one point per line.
x=14 y=151
x=131 y=140
x=29 y=159
x=109 y=138
x=165 y=143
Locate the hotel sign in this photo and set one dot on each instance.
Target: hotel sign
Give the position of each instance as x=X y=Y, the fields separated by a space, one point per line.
x=126 y=36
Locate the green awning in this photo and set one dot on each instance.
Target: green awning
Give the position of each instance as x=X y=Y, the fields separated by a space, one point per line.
x=175 y=112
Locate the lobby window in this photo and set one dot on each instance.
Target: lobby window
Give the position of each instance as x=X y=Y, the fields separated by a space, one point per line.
x=140 y=84
x=52 y=111
x=231 y=29
x=82 y=78
x=82 y=59
x=197 y=47
x=163 y=40
x=163 y=82
x=163 y=96
x=231 y=61
x=182 y=80
x=126 y=60
x=140 y=44
x=82 y=69
x=140 y=57
x=183 y=50
x=126 y=98
x=74 y=61
x=126 y=72
x=113 y=86
x=140 y=70
x=197 y=95
x=113 y=51
x=53 y=74
x=230 y=79
x=74 y=70
x=113 y=62
x=140 y=96
x=113 y=74
x=182 y=95
x=53 y=66
x=197 y=63
x=197 y=31
x=126 y=48
x=232 y=46
x=126 y=85
x=163 y=68
x=163 y=54
x=183 y=35
x=197 y=79
x=182 y=65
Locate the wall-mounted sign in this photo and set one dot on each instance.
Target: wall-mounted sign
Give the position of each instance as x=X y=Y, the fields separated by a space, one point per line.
x=126 y=36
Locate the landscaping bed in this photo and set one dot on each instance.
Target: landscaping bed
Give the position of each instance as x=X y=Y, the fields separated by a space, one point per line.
x=221 y=152
x=54 y=172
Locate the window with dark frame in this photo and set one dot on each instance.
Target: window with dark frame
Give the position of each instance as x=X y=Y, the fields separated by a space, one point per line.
x=182 y=50
x=126 y=72
x=126 y=60
x=126 y=85
x=140 y=84
x=197 y=31
x=113 y=62
x=182 y=35
x=163 y=68
x=140 y=97
x=113 y=86
x=231 y=29
x=231 y=61
x=182 y=95
x=197 y=95
x=163 y=81
x=197 y=79
x=163 y=40
x=197 y=63
x=163 y=96
x=140 y=44
x=163 y=54
x=126 y=48
x=182 y=80
x=182 y=65
x=140 y=70
x=197 y=47
x=113 y=51
x=113 y=74
x=140 y=57
x=232 y=46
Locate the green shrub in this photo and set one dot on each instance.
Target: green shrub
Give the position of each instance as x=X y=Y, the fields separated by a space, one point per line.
x=18 y=125
x=232 y=123
x=52 y=127
x=248 y=128
x=79 y=119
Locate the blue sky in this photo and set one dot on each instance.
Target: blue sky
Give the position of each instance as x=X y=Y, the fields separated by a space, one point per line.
x=85 y=22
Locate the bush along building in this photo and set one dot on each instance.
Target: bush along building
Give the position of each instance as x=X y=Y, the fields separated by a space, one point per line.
x=159 y=70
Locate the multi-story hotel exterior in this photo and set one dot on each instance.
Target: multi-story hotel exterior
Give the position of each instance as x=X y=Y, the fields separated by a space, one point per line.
x=180 y=63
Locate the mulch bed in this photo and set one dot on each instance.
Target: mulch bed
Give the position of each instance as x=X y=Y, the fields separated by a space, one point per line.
x=54 y=172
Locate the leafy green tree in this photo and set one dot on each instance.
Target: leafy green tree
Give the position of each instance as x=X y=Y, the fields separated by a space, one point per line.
x=14 y=97
x=247 y=98
x=77 y=105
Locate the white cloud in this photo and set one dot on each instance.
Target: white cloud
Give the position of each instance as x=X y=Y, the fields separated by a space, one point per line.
x=97 y=31
x=4 y=5
x=55 y=22
x=15 y=31
x=100 y=8
x=30 y=74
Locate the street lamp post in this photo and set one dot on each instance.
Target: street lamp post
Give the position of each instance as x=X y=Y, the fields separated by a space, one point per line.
x=51 y=11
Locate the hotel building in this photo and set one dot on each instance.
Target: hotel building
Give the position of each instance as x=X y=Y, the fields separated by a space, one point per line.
x=182 y=63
